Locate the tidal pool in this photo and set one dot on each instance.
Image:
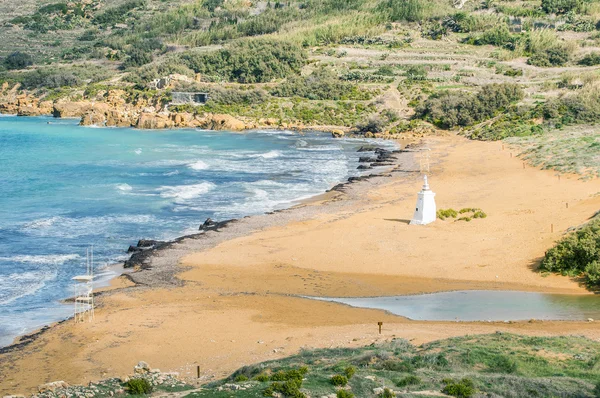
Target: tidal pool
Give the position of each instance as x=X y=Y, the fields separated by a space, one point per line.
x=483 y=305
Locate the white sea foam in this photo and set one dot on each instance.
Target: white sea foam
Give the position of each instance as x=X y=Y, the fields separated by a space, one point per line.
x=124 y=187
x=56 y=259
x=17 y=285
x=198 y=165
x=67 y=227
x=138 y=151
x=184 y=193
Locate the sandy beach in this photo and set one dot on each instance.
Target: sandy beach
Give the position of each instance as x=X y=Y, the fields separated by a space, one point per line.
x=229 y=298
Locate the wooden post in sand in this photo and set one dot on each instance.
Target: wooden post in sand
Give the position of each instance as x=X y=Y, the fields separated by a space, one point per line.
x=379 y=324
x=551 y=227
x=567 y=205
x=198 y=371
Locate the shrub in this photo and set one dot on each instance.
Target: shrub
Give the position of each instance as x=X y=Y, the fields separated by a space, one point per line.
x=449 y=109
x=344 y=394
x=461 y=389
x=590 y=59
x=416 y=73
x=597 y=390
x=349 y=372
x=576 y=254
x=502 y=364
x=117 y=14
x=560 y=6
x=138 y=57
x=240 y=378
x=404 y=10
x=18 y=60
x=288 y=389
x=497 y=36
x=592 y=273
x=557 y=56
x=387 y=393
x=408 y=381
x=262 y=377
x=442 y=214
x=253 y=61
x=374 y=124
x=339 y=380
x=138 y=386
x=322 y=84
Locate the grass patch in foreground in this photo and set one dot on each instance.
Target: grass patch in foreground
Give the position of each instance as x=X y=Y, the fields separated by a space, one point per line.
x=499 y=364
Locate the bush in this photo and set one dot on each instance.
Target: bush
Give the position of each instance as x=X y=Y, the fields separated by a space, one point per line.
x=576 y=254
x=18 y=60
x=410 y=380
x=288 y=389
x=442 y=214
x=416 y=73
x=322 y=84
x=404 y=10
x=138 y=386
x=450 y=109
x=597 y=390
x=349 y=372
x=590 y=59
x=374 y=124
x=387 y=393
x=339 y=380
x=502 y=364
x=138 y=57
x=461 y=389
x=560 y=6
x=240 y=378
x=117 y=14
x=497 y=36
x=557 y=56
x=253 y=61
x=592 y=273
x=262 y=377
x=344 y=394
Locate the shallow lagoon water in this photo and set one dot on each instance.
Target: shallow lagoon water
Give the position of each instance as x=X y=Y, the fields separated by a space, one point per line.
x=483 y=305
x=64 y=187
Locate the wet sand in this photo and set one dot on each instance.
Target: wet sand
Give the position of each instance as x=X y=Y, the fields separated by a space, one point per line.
x=235 y=301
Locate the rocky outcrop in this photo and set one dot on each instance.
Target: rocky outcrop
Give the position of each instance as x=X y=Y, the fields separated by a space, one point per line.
x=22 y=103
x=71 y=108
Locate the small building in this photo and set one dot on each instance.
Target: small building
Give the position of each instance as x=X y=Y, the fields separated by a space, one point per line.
x=183 y=98
x=425 y=211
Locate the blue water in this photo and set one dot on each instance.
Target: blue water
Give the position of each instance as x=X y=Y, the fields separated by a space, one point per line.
x=65 y=187
x=484 y=305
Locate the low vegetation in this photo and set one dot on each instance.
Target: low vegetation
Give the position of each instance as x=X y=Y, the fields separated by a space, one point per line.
x=499 y=364
x=466 y=214
x=577 y=255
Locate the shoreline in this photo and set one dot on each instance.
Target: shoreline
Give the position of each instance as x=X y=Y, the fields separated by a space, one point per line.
x=136 y=263
x=239 y=284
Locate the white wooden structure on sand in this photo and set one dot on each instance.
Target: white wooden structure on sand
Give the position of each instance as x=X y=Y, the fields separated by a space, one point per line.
x=425 y=211
x=84 y=298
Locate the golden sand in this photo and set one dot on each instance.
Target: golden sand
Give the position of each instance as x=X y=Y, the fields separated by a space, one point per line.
x=238 y=304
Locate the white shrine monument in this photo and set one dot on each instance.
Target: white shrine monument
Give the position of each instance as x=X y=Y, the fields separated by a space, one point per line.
x=426 y=211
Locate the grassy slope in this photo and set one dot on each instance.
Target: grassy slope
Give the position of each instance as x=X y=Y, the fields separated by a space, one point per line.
x=499 y=365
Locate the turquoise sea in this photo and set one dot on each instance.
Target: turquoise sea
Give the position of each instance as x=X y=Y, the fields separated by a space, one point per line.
x=65 y=187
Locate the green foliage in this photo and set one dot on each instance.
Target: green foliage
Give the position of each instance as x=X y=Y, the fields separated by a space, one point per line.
x=580 y=107
x=138 y=57
x=450 y=109
x=517 y=122
x=557 y=56
x=118 y=14
x=344 y=394
x=322 y=84
x=138 y=387
x=387 y=393
x=560 y=6
x=18 y=60
x=576 y=254
x=597 y=390
x=289 y=389
x=290 y=375
x=590 y=59
x=416 y=73
x=240 y=378
x=578 y=23
x=497 y=36
x=253 y=61
x=404 y=10
x=502 y=364
x=339 y=380
x=349 y=372
x=262 y=377
x=410 y=380
x=461 y=389
x=443 y=214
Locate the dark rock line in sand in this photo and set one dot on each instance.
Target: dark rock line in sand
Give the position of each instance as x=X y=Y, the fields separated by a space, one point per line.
x=145 y=249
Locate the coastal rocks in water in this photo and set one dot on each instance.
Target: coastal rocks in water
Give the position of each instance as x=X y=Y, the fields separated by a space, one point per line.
x=337 y=133
x=146 y=243
x=53 y=386
x=210 y=225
